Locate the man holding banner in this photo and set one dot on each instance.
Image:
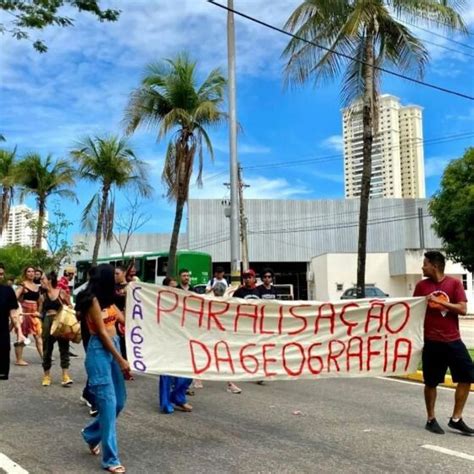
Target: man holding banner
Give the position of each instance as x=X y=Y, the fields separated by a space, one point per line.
x=443 y=346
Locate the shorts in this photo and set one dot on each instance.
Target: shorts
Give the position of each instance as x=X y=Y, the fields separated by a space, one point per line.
x=438 y=356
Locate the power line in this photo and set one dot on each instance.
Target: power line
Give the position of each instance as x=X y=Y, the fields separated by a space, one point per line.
x=334 y=157
x=346 y=56
x=438 y=34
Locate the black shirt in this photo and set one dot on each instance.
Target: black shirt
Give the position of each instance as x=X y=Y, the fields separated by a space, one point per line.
x=191 y=288
x=247 y=293
x=7 y=303
x=267 y=293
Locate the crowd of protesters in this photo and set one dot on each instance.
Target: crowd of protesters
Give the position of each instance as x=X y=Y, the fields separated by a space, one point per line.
x=30 y=309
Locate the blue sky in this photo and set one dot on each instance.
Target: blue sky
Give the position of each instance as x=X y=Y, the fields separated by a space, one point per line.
x=81 y=86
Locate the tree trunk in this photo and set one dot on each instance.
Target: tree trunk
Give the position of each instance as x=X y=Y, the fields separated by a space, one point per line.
x=368 y=137
x=39 y=227
x=4 y=211
x=100 y=223
x=171 y=270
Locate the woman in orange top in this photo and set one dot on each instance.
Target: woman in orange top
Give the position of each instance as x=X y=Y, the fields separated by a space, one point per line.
x=28 y=295
x=105 y=366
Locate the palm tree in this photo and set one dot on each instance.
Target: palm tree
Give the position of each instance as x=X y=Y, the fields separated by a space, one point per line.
x=8 y=179
x=111 y=162
x=42 y=179
x=369 y=31
x=170 y=99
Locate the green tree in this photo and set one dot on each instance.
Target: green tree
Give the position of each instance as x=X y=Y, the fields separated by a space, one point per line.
x=28 y=15
x=170 y=99
x=55 y=234
x=8 y=180
x=43 y=179
x=16 y=257
x=112 y=163
x=452 y=208
x=369 y=31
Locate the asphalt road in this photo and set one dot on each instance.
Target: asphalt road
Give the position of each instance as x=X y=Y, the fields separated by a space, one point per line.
x=466 y=327
x=358 y=425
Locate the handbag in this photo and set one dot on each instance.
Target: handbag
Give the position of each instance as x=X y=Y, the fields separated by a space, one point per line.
x=65 y=325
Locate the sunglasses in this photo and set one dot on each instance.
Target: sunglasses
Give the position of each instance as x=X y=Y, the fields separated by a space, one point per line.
x=246 y=277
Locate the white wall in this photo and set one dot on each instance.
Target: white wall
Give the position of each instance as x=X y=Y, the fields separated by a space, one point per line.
x=340 y=268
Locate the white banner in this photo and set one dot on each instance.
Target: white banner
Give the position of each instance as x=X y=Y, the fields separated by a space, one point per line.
x=169 y=331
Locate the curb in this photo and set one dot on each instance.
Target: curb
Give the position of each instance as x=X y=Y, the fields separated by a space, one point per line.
x=418 y=377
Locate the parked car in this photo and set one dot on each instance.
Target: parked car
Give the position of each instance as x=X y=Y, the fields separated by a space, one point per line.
x=370 y=292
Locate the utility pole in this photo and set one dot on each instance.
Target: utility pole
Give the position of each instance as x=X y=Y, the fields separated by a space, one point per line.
x=234 y=193
x=243 y=223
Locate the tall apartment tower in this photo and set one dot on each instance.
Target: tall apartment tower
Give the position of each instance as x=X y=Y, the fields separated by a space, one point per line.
x=18 y=230
x=397 y=153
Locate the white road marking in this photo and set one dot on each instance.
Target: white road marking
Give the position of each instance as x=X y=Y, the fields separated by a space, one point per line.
x=458 y=454
x=9 y=466
x=410 y=382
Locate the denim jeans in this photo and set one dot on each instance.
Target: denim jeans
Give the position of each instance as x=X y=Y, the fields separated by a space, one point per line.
x=108 y=385
x=172 y=391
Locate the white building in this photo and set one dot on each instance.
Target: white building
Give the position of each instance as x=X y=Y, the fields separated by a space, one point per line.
x=397 y=155
x=18 y=230
x=395 y=273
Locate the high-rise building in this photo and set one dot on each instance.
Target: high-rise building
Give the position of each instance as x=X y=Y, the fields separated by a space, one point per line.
x=397 y=153
x=19 y=230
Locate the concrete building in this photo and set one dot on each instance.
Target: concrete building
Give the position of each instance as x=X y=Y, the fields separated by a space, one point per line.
x=396 y=273
x=296 y=237
x=18 y=230
x=397 y=156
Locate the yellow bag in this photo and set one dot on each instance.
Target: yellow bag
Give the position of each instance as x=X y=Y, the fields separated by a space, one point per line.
x=66 y=326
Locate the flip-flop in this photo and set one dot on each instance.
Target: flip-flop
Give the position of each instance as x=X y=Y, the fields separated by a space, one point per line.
x=21 y=364
x=118 y=468
x=186 y=407
x=94 y=450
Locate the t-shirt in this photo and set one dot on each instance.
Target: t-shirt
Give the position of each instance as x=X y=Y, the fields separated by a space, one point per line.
x=7 y=303
x=247 y=293
x=63 y=284
x=191 y=288
x=213 y=281
x=267 y=293
x=440 y=324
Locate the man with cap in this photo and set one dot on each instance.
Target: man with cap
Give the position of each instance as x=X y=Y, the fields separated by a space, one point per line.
x=218 y=278
x=249 y=288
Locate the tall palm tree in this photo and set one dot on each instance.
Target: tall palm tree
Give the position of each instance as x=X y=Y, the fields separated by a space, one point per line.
x=170 y=99
x=111 y=162
x=8 y=179
x=369 y=31
x=42 y=179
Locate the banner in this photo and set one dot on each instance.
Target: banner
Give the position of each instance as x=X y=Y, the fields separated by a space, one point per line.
x=169 y=331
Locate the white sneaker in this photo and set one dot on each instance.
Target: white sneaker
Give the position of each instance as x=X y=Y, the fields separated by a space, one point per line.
x=85 y=402
x=232 y=388
x=198 y=384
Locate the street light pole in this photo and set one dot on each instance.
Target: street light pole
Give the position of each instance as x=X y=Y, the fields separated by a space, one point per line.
x=234 y=191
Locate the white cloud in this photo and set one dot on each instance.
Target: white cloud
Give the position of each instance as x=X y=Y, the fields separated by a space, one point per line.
x=435 y=166
x=334 y=142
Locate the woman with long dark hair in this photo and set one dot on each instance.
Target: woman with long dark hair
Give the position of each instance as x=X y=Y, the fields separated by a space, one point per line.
x=28 y=295
x=105 y=366
x=51 y=302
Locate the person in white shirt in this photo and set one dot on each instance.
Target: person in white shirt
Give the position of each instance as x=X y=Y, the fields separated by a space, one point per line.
x=218 y=278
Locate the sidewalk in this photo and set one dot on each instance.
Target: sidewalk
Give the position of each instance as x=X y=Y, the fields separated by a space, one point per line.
x=418 y=377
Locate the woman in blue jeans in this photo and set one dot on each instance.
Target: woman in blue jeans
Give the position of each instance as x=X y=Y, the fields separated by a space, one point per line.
x=105 y=366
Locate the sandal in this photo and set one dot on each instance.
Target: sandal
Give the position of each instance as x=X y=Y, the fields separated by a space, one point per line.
x=22 y=363
x=94 y=450
x=186 y=407
x=118 y=468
